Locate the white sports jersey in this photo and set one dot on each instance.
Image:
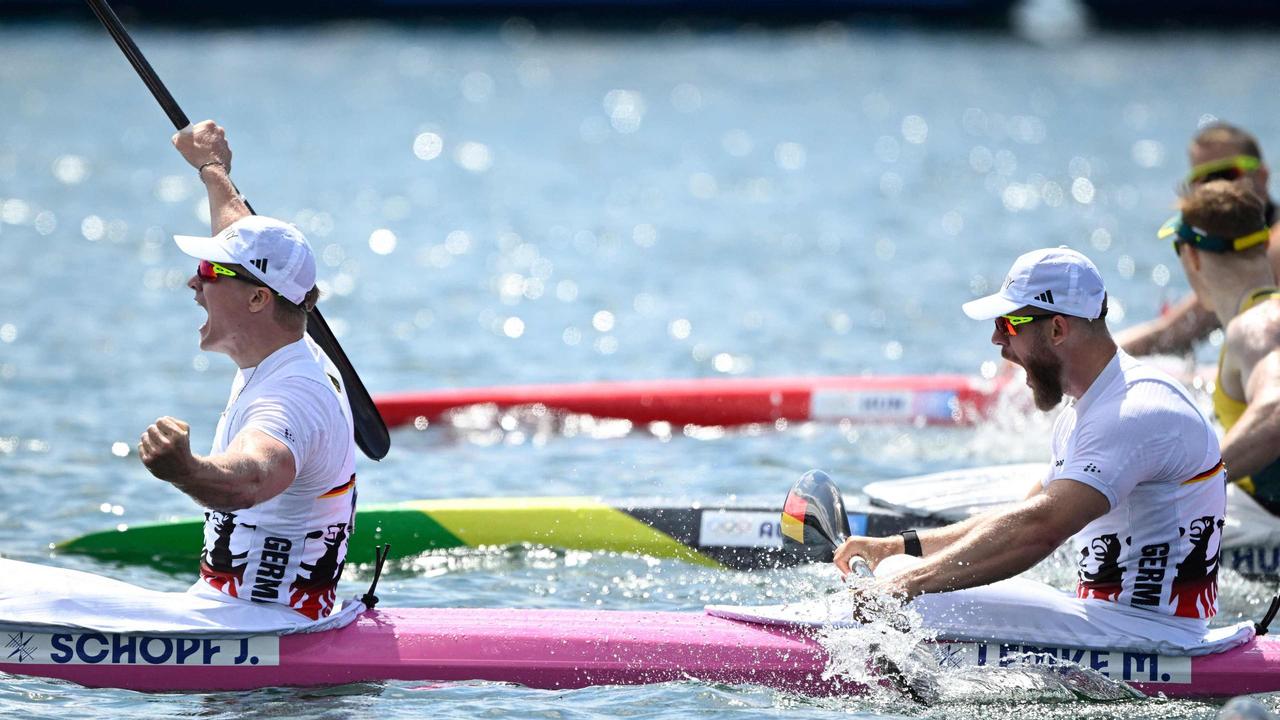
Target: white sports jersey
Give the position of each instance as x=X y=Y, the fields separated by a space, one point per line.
x=291 y=548
x=1136 y=437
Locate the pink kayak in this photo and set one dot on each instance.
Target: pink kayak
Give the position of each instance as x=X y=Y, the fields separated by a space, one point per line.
x=932 y=399
x=556 y=649
x=537 y=648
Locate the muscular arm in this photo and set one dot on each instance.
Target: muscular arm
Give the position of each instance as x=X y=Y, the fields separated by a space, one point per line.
x=1254 y=441
x=255 y=468
x=1173 y=332
x=936 y=540
x=225 y=204
x=932 y=541
x=1004 y=543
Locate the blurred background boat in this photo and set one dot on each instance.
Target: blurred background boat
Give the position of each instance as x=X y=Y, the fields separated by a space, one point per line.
x=1146 y=13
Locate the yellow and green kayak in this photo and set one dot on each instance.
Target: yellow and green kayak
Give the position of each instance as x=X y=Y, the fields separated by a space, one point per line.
x=746 y=536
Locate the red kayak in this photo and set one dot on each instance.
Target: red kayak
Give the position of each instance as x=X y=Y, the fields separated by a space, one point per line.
x=927 y=399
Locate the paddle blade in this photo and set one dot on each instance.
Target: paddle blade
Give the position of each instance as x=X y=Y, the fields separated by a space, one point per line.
x=814 y=521
x=371 y=432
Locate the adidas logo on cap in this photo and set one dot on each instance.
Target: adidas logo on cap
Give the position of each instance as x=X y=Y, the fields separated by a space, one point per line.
x=1057 y=279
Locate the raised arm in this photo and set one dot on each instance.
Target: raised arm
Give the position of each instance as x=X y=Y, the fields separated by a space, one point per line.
x=204 y=146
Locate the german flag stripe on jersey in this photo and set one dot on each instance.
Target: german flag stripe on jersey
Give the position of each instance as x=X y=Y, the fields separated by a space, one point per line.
x=342 y=489
x=1205 y=475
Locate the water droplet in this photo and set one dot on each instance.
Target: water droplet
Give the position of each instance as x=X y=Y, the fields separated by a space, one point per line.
x=382 y=241
x=427 y=146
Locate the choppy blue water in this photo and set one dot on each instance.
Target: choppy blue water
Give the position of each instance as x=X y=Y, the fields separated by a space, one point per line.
x=509 y=203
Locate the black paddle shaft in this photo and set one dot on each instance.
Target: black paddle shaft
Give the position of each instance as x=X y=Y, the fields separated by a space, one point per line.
x=370 y=430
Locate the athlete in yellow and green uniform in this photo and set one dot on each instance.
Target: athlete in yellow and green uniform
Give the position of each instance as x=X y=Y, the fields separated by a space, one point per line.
x=1218 y=151
x=1263 y=484
x=1221 y=239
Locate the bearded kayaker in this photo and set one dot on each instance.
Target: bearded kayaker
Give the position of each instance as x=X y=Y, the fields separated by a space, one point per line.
x=1221 y=240
x=279 y=482
x=1137 y=482
x=1219 y=151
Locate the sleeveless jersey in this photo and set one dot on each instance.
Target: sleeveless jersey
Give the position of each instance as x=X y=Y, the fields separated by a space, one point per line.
x=1265 y=484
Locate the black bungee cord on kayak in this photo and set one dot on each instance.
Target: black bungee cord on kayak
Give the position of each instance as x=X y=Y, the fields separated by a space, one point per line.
x=380 y=554
x=1260 y=628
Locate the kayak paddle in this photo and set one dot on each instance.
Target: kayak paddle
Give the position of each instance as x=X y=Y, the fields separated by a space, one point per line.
x=814 y=523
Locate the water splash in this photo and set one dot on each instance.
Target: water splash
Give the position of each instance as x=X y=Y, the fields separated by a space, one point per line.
x=886 y=654
x=891 y=657
x=1031 y=677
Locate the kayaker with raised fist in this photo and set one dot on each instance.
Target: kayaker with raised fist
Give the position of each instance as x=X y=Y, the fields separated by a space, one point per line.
x=278 y=484
x=1136 y=486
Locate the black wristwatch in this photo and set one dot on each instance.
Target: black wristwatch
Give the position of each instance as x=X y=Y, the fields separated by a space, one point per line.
x=911 y=543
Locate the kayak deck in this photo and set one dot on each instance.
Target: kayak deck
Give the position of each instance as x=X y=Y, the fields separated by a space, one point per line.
x=562 y=649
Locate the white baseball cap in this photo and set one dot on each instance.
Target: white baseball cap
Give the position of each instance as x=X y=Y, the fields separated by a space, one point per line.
x=1059 y=280
x=271 y=250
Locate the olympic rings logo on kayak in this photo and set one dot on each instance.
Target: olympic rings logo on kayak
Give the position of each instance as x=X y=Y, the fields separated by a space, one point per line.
x=743 y=527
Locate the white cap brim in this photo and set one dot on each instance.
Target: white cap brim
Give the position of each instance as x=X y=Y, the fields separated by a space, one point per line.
x=203 y=248
x=990 y=307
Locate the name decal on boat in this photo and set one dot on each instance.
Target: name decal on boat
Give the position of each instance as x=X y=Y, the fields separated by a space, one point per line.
x=752 y=528
x=831 y=405
x=1115 y=664
x=1254 y=559
x=91 y=648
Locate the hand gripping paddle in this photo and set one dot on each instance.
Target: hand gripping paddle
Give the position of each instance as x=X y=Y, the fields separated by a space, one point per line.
x=814 y=524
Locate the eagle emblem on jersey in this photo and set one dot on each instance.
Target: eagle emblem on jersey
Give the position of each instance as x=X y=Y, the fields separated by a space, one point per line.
x=1101 y=574
x=219 y=566
x=313 y=594
x=1195 y=587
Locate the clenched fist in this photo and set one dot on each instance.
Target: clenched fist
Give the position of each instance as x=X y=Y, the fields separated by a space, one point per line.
x=165 y=448
x=202 y=143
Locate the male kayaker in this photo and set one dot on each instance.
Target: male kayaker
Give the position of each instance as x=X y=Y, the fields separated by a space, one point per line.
x=279 y=483
x=1219 y=151
x=1137 y=481
x=1221 y=240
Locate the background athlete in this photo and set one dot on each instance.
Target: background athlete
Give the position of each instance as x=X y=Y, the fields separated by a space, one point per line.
x=279 y=482
x=1219 y=151
x=1220 y=237
x=1136 y=483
